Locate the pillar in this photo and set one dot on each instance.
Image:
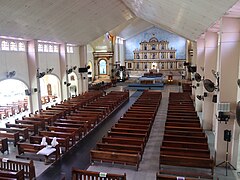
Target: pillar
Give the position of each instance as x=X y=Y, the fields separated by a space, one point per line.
x=210 y=63
x=83 y=81
x=228 y=68
x=33 y=65
x=200 y=63
x=63 y=69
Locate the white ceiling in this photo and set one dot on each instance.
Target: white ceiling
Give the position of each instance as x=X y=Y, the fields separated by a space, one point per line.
x=82 y=21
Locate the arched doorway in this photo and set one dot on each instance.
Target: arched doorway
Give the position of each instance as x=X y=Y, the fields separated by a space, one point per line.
x=13 y=100
x=90 y=72
x=102 y=67
x=73 y=87
x=50 y=89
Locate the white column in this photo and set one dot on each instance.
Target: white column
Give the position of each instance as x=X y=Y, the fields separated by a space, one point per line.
x=210 y=63
x=83 y=63
x=63 y=69
x=33 y=65
x=228 y=68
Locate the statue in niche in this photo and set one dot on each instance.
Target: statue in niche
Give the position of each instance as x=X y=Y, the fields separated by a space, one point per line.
x=138 y=57
x=145 y=56
x=153 y=47
x=145 y=47
x=153 y=56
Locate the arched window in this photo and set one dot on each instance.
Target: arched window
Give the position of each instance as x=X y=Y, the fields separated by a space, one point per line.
x=21 y=46
x=55 y=48
x=50 y=48
x=102 y=66
x=5 y=46
x=13 y=46
x=45 y=47
x=40 y=47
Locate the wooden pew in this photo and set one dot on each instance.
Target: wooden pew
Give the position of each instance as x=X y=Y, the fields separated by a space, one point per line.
x=168 y=137
x=11 y=136
x=113 y=157
x=194 y=162
x=185 y=133
x=120 y=148
x=15 y=166
x=31 y=127
x=77 y=131
x=10 y=175
x=40 y=124
x=4 y=145
x=24 y=148
x=78 y=174
x=59 y=134
x=183 y=124
x=22 y=131
x=177 y=128
x=117 y=140
x=160 y=176
x=191 y=145
x=63 y=142
x=186 y=152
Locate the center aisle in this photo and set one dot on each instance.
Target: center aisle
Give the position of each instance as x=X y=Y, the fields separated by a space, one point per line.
x=150 y=162
x=79 y=155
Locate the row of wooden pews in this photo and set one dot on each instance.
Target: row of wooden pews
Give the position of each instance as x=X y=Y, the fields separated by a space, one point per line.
x=100 y=86
x=11 y=169
x=78 y=174
x=125 y=142
x=13 y=108
x=185 y=144
x=68 y=122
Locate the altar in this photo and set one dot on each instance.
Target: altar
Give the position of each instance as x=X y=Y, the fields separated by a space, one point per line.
x=150 y=80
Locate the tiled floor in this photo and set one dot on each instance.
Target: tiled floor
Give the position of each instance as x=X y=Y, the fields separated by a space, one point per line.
x=79 y=155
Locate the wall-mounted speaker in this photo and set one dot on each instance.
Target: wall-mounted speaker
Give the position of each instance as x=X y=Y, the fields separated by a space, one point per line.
x=227 y=135
x=214 y=99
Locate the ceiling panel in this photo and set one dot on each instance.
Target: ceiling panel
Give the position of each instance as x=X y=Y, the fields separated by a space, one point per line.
x=73 y=21
x=187 y=18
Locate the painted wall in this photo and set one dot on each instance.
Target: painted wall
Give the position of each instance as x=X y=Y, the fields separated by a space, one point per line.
x=175 y=41
x=14 y=61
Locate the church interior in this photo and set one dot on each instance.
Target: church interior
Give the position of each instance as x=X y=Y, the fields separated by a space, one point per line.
x=120 y=89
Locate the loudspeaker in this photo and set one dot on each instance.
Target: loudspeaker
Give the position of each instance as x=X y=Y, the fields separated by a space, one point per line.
x=214 y=99
x=227 y=135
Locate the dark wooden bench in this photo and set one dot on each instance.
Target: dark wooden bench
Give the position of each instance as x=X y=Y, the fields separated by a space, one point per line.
x=24 y=148
x=183 y=124
x=186 y=152
x=168 y=137
x=121 y=148
x=78 y=174
x=63 y=142
x=11 y=175
x=118 y=140
x=182 y=128
x=160 y=176
x=71 y=135
x=22 y=131
x=11 y=136
x=191 y=145
x=31 y=127
x=15 y=166
x=40 y=124
x=113 y=157
x=185 y=133
x=4 y=145
x=77 y=131
x=193 y=162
